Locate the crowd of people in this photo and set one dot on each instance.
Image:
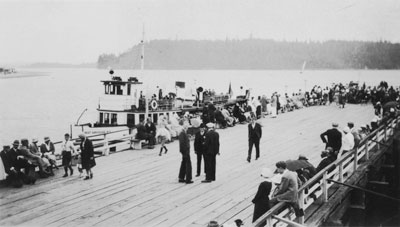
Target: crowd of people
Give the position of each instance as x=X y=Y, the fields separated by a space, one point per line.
x=337 y=143
x=23 y=162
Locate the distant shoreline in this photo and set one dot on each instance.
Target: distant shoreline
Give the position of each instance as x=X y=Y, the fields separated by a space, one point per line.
x=23 y=74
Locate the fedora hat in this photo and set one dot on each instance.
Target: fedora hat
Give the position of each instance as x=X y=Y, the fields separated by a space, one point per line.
x=16 y=142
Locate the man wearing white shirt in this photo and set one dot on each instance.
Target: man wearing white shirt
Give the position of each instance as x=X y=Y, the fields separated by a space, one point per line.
x=67 y=151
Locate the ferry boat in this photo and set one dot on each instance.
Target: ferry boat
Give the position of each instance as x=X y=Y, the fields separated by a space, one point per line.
x=124 y=104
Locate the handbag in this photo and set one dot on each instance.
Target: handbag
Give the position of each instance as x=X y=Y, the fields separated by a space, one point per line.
x=74 y=160
x=92 y=163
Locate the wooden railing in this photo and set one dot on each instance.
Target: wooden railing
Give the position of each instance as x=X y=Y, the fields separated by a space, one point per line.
x=340 y=171
x=104 y=143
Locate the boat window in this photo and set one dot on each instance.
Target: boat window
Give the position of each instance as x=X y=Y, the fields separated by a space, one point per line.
x=106 y=88
x=141 y=117
x=155 y=118
x=119 y=90
x=131 y=120
x=129 y=89
x=106 y=118
x=113 y=119
x=112 y=90
x=101 y=118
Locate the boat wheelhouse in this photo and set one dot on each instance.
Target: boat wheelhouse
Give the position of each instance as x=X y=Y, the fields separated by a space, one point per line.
x=124 y=104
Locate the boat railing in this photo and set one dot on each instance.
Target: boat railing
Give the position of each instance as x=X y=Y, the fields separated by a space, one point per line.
x=165 y=104
x=340 y=170
x=217 y=99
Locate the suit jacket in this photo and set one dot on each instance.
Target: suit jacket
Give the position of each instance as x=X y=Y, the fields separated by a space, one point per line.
x=151 y=128
x=141 y=132
x=256 y=132
x=199 y=143
x=334 y=138
x=184 y=144
x=211 y=143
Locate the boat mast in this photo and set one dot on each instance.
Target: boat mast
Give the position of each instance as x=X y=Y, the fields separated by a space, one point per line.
x=142 y=55
x=146 y=98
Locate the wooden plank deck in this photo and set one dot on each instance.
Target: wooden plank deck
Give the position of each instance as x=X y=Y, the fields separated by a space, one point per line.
x=139 y=188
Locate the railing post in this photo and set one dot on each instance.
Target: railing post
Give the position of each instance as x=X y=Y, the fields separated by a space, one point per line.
x=325 y=187
x=355 y=159
x=366 y=150
x=269 y=221
x=106 y=150
x=377 y=139
x=341 y=172
x=385 y=133
x=301 y=206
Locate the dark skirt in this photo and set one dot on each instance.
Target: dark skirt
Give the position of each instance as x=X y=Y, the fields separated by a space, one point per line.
x=66 y=158
x=88 y=163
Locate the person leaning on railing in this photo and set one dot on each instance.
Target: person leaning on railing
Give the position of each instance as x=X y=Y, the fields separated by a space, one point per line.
x=288 y=189
x=347 y=142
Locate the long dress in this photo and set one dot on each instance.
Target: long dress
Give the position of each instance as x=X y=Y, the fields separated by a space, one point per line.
x=274 y=105
x=261 y=200
x=2 y=170
x=162 y=131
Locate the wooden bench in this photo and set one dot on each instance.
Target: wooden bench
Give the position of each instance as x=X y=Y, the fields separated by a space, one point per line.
x=137 y=144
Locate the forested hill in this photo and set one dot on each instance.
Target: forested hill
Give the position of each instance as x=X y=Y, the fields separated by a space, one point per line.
x=257 y=54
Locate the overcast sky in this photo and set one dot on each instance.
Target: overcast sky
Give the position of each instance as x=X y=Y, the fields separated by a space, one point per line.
x=73 y=31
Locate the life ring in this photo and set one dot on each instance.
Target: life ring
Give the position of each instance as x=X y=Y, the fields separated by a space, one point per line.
x=153 y=104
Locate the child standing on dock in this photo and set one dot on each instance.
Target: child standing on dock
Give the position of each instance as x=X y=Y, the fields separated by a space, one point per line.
x=67 y=151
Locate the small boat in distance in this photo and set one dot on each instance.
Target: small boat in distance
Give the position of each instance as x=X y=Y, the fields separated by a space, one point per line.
x=303 y=67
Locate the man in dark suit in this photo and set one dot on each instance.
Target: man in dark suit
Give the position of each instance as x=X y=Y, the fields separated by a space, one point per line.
x=333 y=138
x=185 y=171
x=11 y=167
x=255 y=133
x=16 y=162
x=87 y=156
x=211 y=149
x=199 y=146
x=151 y=133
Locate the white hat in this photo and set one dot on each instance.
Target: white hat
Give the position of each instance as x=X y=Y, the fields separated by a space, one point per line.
x=210 y=125
x=267 y=173
x=346 y=129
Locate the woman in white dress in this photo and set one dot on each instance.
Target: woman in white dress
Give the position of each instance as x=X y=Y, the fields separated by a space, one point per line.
x=163 y=134
x=274 y=101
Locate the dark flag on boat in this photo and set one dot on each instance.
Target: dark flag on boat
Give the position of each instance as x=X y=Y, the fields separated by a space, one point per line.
x=180 y=84
x=230 y=92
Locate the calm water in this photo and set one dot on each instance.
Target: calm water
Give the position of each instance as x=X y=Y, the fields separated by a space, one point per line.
x=48 y=105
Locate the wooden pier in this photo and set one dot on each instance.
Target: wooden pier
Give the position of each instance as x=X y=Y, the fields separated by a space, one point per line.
x=140 y=188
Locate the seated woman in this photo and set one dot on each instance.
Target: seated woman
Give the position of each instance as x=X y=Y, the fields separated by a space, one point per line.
x=219 y=118
x=239 y=113
x=261 y=200
x=35 y=160
x=229 y=120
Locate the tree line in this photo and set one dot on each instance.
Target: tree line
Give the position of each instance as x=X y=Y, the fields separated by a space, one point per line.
x=257 y=54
